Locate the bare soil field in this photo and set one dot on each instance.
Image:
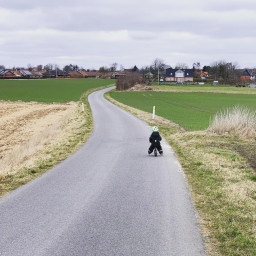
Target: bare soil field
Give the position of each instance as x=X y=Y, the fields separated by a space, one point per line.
x=27 y=128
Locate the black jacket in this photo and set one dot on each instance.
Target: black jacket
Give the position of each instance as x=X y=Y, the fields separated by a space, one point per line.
x=155 y=138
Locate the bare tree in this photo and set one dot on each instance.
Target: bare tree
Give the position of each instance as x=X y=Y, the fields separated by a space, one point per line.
x=196 y=69
x=29 y=66
x=103 y=70
x=39 y=67
x=157 y=66
x=181 y=66
x=145 y=70
x=113 y=67
x=197 y=65
x=49 y=66
x=225 y=72
x=121 y=67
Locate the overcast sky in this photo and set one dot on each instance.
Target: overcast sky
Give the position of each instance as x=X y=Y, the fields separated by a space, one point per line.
x=130 y=32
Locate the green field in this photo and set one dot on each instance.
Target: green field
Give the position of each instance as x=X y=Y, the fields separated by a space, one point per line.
x=206 y=88
x=192 y=111
x=49 y=90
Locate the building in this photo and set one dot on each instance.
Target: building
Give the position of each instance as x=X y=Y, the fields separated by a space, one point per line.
x=245 y=75
x=26 y=73
x=75 y=74
x=55 y=74
x=7 y=74
x=179 y=75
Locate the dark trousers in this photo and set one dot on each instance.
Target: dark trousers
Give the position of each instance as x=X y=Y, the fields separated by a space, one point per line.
x=155 y=145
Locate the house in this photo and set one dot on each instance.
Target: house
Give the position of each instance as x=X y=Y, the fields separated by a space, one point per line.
x=7 y=73
x=17 y=73
x=149 y=76
x=36 y=74
x=245 y=75
x=117 y=74
x=54 y=74
x=26 y=73
x=201 y=74
x=179 y=75
x=89 y=74
x=75 y=74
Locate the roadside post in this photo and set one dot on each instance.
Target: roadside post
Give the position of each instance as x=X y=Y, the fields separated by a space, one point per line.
x=82 y=107
x=154 y=111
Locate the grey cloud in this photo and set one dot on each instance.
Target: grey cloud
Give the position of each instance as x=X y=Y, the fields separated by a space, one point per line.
x=129 y=32
x=90 y=18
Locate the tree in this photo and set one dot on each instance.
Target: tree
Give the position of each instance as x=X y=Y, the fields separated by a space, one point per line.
x=39 y=67
x=156 y=67
x=113 y=67
x=225 y=72
x=197 y=66
x=70 y=67
x=2 y=67
x=145 y=70
x=197 y=69
x=103 y=70
x=135 y=69
x=29 y=66
x=181 y=66
x=206 y=68
x=121 y=68
x=48 y=67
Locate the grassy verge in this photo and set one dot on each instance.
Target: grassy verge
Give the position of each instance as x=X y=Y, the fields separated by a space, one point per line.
x=56 y=152
x=219 y=171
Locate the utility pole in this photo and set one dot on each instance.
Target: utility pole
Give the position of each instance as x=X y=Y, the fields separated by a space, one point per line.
x=158 y=76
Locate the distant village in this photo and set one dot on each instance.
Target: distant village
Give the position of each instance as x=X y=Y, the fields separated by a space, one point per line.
x=158 y=72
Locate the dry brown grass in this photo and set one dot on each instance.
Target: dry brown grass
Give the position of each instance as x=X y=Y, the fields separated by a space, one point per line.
x=27 y=128
x=63 y=134
x=237 y=120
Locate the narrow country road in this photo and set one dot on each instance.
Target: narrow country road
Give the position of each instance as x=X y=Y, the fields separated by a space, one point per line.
x=109 y=198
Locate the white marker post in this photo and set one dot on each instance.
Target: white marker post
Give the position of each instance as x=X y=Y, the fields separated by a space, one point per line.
x=82 y=107
x=154 y=111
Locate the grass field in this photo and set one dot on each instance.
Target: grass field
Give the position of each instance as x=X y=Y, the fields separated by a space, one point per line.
x=220 y=170
x=192 y=111
x=49 y=90
x=206 y=88
x=37 y=153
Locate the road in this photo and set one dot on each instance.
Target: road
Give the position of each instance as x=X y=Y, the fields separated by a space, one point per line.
x=109 y=198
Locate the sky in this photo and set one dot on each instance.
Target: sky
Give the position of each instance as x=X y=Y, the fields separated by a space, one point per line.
x=98 y=33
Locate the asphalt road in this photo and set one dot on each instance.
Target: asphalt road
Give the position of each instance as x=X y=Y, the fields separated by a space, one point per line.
x=109 y=198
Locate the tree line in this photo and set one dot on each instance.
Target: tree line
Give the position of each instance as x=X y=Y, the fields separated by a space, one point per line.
x=224 y=72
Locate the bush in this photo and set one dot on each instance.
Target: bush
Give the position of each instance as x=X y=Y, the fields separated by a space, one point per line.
x=238 y=120
x=128 y=81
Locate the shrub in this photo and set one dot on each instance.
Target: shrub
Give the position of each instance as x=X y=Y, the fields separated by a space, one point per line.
x=128 y=81
x=238 y=120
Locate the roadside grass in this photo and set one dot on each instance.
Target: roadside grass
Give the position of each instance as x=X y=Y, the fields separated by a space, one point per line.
x=192 y=111
x=48 y=90
x=205 y=88
x=236 y=120
x=79 y=129
x=221 y=174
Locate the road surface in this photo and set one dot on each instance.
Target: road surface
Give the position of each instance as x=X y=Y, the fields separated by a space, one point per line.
x=109 y=198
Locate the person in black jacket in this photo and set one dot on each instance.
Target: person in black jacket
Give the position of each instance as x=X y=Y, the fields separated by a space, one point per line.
x=155 y=139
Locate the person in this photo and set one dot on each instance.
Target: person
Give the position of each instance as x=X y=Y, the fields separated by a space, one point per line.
x=155 y=139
